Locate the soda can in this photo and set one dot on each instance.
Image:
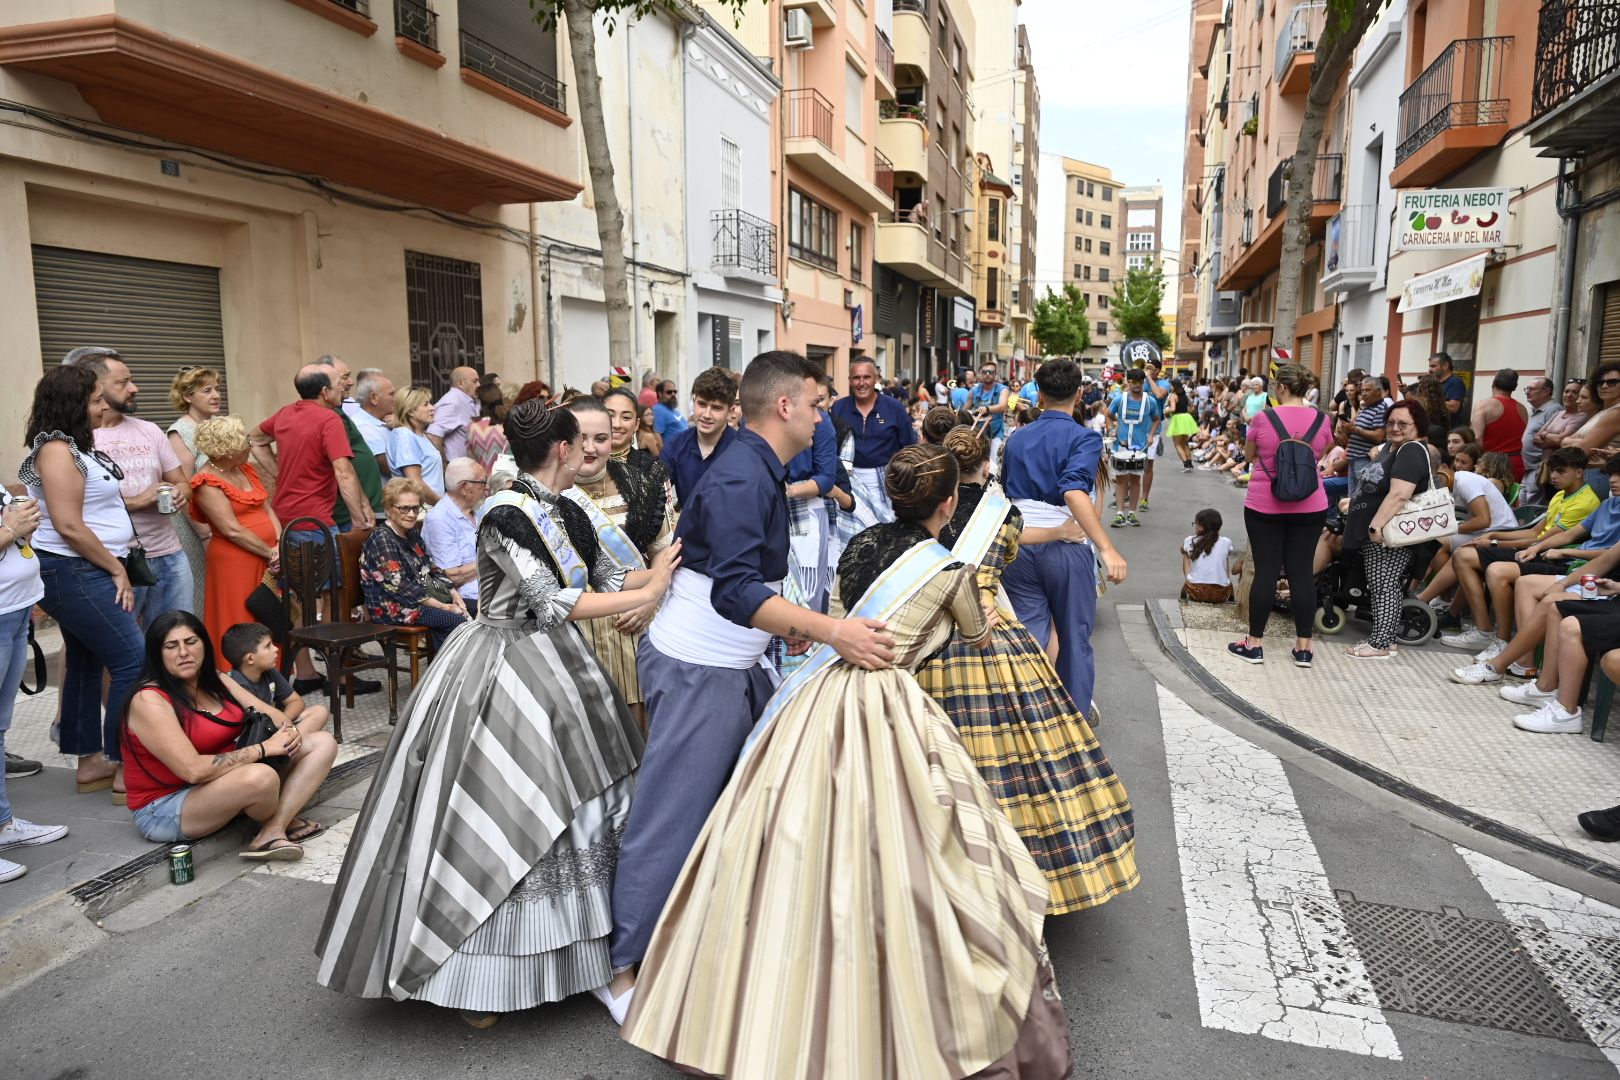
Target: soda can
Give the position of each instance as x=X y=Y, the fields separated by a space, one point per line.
x=180 y=868
x=165 y=498
x=1589 y=587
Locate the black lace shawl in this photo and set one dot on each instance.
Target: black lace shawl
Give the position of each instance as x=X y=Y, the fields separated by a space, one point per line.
x=967 y=501
x=871 y=552
x=515 y=524
x=641 y=481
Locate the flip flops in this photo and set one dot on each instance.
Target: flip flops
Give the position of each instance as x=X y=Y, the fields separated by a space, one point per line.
x=302 y=830
x=278 y=850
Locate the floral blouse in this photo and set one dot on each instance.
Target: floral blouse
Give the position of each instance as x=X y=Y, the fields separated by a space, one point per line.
x=395 y=572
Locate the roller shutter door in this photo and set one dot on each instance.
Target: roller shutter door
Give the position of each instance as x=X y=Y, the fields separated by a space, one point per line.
x=1609 y=340
x=161 y=316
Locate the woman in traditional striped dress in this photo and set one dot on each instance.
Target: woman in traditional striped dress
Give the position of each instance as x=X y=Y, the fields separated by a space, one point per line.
x=1032 y=745
x=630 y=514
x=858 y=905
x=481 y=868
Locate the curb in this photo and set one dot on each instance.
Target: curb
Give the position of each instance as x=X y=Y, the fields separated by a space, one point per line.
x=122 y=885
x=1165 y=625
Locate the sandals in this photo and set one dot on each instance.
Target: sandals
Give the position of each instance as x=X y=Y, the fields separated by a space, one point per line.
x=278 y=850
x=302 y=831
x=1368 y=651
x=86 y=787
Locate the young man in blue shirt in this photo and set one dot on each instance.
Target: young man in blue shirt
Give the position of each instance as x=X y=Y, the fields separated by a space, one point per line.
x=1049 y=473
x=688 y=454
x=988 y=398
x=667 y=418
x=1160 y=389
x=1136 y=414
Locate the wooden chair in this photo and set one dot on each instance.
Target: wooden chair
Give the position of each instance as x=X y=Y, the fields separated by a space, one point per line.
x=416 y=640
x=307 y=569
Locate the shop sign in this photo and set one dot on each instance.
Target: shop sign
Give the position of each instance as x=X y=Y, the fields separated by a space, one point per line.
x=1455 y=282
x=1457 y=218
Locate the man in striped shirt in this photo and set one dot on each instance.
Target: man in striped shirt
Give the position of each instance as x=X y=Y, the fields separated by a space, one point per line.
x=1367 y=429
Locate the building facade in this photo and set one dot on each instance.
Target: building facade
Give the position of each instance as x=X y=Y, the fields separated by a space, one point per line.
x=1205 y=19
x=1026 y=173
x=994 y=101
x=1094 y=257
x=154 y=205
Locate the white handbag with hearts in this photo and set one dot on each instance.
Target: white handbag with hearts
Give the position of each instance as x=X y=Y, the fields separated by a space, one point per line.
x=1428 y=515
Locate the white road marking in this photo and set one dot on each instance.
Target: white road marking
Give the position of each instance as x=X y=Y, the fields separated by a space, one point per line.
x=1270 y=949
x=1558 y=927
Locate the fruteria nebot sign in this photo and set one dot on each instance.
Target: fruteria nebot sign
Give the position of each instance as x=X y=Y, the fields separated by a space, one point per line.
x=1451 y=218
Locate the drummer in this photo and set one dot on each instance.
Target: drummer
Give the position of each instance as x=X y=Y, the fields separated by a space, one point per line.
x=1136 y=415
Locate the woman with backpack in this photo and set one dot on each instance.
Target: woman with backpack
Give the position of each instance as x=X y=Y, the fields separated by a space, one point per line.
x=1284 y=509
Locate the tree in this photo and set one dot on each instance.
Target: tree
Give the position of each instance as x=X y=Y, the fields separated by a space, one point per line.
x=1062 y=323
x=580 y=17
x=1137 y=301
x=1347 y=22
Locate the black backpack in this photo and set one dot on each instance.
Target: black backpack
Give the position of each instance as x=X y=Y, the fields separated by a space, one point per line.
x=1293 y=469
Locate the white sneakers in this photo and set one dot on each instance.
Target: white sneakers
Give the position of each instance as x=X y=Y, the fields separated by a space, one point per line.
x=1550 y=719
x=11 y=871
x=20 y=833
x=1472 y=638
x=1475 y=674
x=1527 y=694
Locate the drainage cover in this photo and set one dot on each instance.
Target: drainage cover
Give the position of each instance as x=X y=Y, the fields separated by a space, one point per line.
x=1451 y=967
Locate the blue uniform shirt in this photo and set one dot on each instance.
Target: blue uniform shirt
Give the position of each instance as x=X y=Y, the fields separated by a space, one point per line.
x=959 y=397
x=1050 y=457
x=1030 y=392
x=880 y=434
x=1454 y=389
x=820 y=462
x=667 y=421
x=685 y=461
x=1136 y=417
x=734 y=529
x=982 y=397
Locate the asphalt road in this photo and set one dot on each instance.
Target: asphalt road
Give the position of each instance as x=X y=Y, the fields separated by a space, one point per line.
x=218 y=982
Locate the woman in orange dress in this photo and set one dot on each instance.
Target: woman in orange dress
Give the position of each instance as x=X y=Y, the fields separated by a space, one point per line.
x=227 y=494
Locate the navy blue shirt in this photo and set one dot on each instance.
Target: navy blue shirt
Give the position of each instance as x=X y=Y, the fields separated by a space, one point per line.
x=880 y=434
x=1050 y=457
x=820 y=462
x=734 y=529
x=684 y=460
x=1454 y=389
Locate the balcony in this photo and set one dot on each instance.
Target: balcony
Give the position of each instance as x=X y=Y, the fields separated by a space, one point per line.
x=744 y=247
x=883 y=70
x=1327 y=186
x=1348 y=259
x=903 y=138
x=486 y=63
x=416 y=32
x=883 y=173
x=906 y=246
x=159 y=84
x=1575 y=101
x=1225 y=308
x=913 y=44
x=822 y=13
x=807 y=135
x=1455 y=111
x=1258 y=249
x=1296 y=46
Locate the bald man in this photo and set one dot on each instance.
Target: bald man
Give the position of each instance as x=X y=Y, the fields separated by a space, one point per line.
x=453 y=412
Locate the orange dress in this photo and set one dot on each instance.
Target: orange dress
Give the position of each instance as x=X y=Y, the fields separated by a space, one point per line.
x=233 y=572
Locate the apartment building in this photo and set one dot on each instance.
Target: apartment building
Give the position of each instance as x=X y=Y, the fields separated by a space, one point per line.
x=1022 y=237
x=248 y=186
x=1217 y=315
x=1141 y=227
x=1093 y=247
x=1205 y=19
x=994 y=102
x=992 y=259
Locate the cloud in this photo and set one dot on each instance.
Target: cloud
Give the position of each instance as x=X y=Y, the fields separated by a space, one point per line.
x=1099 y=54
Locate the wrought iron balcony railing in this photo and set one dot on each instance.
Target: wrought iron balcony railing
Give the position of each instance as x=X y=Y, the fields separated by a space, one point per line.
x=744 y=241
x=1464 y=87
x=807 y=115
x=883 y=172
x=514 y=74
x=919 y=6
x=1327 y=186
x=359 y=7
x=414 y=20
x=1578 y=45
x=1300 y=32
x=885 y=56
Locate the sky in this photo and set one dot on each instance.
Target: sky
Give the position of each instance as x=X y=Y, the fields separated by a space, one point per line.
x=1125 y=106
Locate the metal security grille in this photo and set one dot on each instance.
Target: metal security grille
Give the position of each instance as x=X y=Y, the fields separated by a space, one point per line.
x=161 y=316
x=1451 y=967
x=730 y=174
x=444 y=305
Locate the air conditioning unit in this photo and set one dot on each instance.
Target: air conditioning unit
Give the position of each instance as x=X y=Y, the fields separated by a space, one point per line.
x=799 y=31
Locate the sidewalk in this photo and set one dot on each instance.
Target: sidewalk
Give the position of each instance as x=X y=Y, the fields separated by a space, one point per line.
x=101 y=836
x=1405 y=718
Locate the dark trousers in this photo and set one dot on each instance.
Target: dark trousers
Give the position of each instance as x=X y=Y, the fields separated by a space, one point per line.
x=97 y=636
x=1283 y=542
x=1055 y=585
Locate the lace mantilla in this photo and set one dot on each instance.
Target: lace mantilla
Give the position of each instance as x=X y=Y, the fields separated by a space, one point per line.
x=571 y=871
x=873 y=551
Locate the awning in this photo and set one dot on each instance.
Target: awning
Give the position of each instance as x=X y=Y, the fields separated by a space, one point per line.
x=1458 y=281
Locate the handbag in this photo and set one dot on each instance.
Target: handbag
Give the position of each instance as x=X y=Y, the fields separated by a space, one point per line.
x=136 y=568
x=39 y=663
x=264 y=604
x=1428 y=515
x=257 y=727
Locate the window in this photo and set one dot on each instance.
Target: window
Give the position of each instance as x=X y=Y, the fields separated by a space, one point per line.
x=1086 y=275
x=1102 y=327
x=444 y=313
x=1018 y=176
x=857 y=252
x=1108 y=221
x=812 y=230
x=1091 y=191
x=1088 y=245
x=1140 y=262
x=1080 y=187
x=992 y=289
x=1107 y=248
x=1102 y=301
x=1089 y=218
x=1108 y=193
x=1079 y=244
x=1017 y=296
x=1102 y=275
x=730 y=174
x=992 y=227
x=854 y=96
x=953 y=149
x=956 y=57
x=1139 y=241
x=1077 y=269
x=1079 y=217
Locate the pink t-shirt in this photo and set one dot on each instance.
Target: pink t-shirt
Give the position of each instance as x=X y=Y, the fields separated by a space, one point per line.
x=1296 y=419
x=143 y=455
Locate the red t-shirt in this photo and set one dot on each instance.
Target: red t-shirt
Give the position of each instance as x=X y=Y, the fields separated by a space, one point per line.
x=309 y=437
x=145 y=775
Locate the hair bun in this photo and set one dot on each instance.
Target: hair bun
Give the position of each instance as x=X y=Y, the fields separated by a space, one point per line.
x=969 y=447
x=918 y=479
x=531 y=419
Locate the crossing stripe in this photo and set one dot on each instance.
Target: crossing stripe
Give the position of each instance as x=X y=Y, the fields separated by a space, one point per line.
x=1271 y=953
x=1557 y=926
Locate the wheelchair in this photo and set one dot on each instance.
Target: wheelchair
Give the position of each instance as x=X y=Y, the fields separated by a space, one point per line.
x=1341 y=594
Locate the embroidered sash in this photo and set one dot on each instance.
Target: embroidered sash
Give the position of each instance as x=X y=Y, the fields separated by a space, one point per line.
x=575 y=574
x=892 y=589
x=614 y=540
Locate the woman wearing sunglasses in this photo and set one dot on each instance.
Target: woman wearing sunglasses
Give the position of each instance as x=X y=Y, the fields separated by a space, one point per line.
x=1600 y=435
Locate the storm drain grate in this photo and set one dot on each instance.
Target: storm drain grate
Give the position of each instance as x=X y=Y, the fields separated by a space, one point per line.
x=1451 y=967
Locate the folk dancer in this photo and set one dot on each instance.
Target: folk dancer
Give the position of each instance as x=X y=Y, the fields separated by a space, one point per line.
x=881 y=425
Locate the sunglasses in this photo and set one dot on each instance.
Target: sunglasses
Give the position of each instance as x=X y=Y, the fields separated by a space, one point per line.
x=416 y=509
x=1607 y=382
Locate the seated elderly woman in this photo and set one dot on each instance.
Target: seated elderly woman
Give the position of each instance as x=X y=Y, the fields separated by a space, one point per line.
x=187 y=776
x=400 y=582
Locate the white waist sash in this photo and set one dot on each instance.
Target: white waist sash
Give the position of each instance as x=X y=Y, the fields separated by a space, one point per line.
x=688 y=628
x=1042 y=515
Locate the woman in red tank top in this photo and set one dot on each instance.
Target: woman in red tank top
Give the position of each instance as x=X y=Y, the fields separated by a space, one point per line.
x=1500 y=421
x=186 y=777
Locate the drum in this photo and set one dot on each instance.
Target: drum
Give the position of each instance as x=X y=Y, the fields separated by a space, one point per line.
x=1128 y=461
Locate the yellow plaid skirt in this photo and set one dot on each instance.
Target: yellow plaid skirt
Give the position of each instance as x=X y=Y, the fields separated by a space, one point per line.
x=1042 y=762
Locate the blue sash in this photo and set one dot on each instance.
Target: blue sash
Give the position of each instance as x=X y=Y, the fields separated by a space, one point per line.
x=983 y=526
x=575 y=575
x=896 y=585
x=613 y=539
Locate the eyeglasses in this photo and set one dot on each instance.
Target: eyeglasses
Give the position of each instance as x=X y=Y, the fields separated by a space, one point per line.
x=1607 y=382
x=477 y=483
x=415 y=509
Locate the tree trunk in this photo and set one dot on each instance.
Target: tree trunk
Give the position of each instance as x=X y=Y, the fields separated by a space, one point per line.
x=609 y=218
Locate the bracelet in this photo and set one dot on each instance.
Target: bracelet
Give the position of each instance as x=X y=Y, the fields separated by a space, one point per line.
x=261 y=751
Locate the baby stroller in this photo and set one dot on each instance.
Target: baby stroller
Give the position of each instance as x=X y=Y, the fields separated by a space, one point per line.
x=1341 y=592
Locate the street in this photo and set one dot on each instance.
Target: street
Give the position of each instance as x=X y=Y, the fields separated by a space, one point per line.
x=1292 y=920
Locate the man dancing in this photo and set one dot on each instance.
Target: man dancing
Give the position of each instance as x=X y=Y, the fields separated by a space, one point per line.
x=700 y=664
x=1050 y=473
x=881 y=425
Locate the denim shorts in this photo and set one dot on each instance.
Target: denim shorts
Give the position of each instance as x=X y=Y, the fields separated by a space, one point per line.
x=159 y=820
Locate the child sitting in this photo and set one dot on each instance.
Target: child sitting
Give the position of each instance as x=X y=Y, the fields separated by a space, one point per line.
x=1207 y=562
x=251 y=652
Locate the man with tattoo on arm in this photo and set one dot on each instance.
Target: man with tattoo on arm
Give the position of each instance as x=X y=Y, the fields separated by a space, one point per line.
x=700 y=662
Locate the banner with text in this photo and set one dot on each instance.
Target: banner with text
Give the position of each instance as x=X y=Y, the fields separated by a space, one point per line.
x=1454 y=218
x=1455 y=282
